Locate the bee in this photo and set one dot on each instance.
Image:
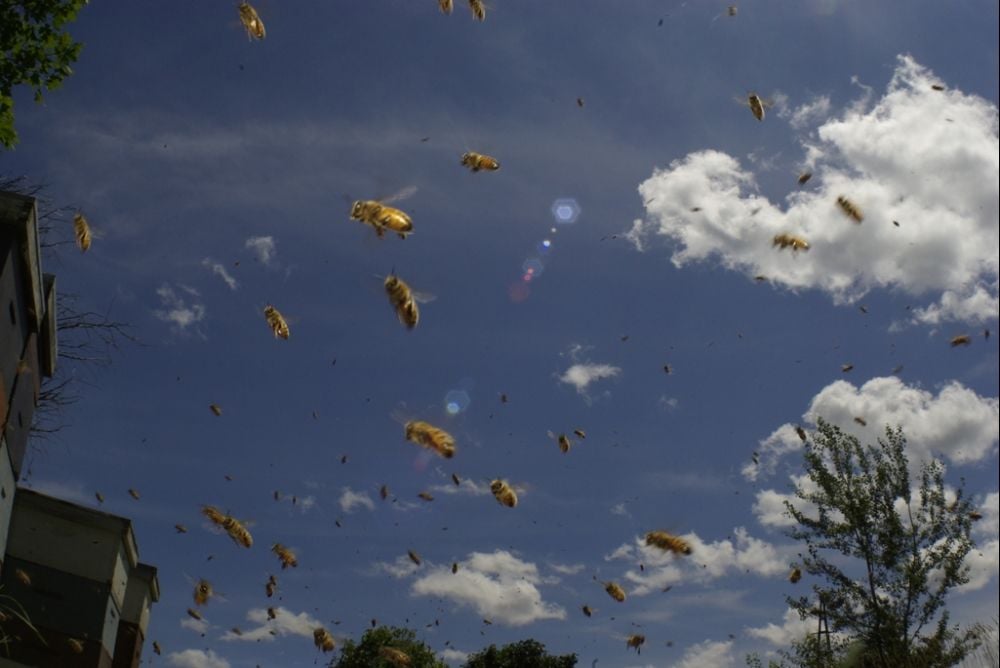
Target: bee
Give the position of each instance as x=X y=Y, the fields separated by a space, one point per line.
x=230 y=524
x=635 y=641
x=382 y=217
x=272 y=613
x=156 y=648
x=937 y=86
x=801 y=433
x=503 y=398
x=270 y=585
x=426 y=496
x=215 y=409
x=454 y=567
x=401 y=298
x=667 y=369
x=23 y=576
x=202 y=592
x=756 y=104
x=194 y=614
x=446 y=6
x=236 y=631
x=384 y=492
x=503 y=492
x=850 y=208
x=668 y=542
x=898 y=369
x=563 y=440
x=251 y=21
x=99 y=497
x=477 y=161
x=760 y=278
x=614 y=591
x=731 y=10
x=795 y=575
x=580 y=433
x=861 y=421
x=962 y=340
x=134 y=494
x=323 y=639
x=286 y=556
x=975 y=516
x=430 y=437
x=579 y=102
x=803 y=177
x=785 y=240
x=454 y=479
x=846 y=367
x=414 y=557
x=82 y=231
x=587 y=610
x=276 y=322
x=76 y=646
x=396 y=657
x=478 y=8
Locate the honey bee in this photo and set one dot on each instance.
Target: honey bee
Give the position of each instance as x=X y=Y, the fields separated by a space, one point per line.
x=477 y=161
x=272 y=613
x=478 y=8
x=795 y=575
x=401 y=298
x=785 y=240
x=270 y=585
x=194 y=614
x=426 y=496
x=580 y=433
x=430 y=437
x=614 y=591
x=156 y=648
x=760 y=278
x=215 y=409
x=446 y=6
x=850 y=208
x=801 y=433
x=414 y=557
x=563 y=441
x=503 y=492
x=384 y=492
x=454 y=479
x=251 y=21
x=587 y=610
x=230 y=524
x=937 y=87
x=286 y=556
x=635 y=641
x=962 y=340
x=236 y=631
x=731 y=10
x=757 y=104
x=668 y=542
x=99 y=497
x=381 y=217
x=202 y=592
x=579 y=102
x=323 y=639
x=23 y=577
x=803 y=177
x=975 y=516
x=846 y=367
x=454 y=567
x=75 y=645
x=861 y=421
x=134 y=494
x=276 y=322
x=396 y=657
x=82 y=231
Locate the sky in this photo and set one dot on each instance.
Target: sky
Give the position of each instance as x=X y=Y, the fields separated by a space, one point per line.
x=629 y=228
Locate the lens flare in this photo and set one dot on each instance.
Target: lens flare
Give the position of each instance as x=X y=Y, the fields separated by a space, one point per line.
x=456 y=401
x=565 y=210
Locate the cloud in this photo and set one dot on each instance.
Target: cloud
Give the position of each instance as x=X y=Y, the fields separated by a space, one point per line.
x=453 y=656
x=567 y=569
x=219 y=270
x=196 y=658
x=349 y=500
x=816 y=109
x=264 y=247
x=196 y=625
x=175 y=308
x=620 y=509
x=498 y=585
x=926 y=159
x=792 y=629
x=582 y=375
x=467 y=487
x=285 y=623
x=708 y=653
x=401 y=568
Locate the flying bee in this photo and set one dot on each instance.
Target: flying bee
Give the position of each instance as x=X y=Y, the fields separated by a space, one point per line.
x=635 y=641
x=587 y=610
x=850 y=208
x=156 y=648
x=23 y=577
x=396 y=657
x=478 y=8
x=614 y=591
x=962 y=340
x=861 y=421
x=668 y=542
x=381 y=216
x=785 y=240
x=426 y=496
x=478 y=161
x=251 y=21
x=803 y=177
x=414 y=557
x=286 y=556
x=580 y=433
x=76 y=646
x=323 y=639
x=202 y=592
x=446 y=6
x=801 y=433
x=194 y=614
x=230 y=524
x=430 y=437
x=504 y=493
x=795 y=575
x=563 y=440
x=276 y=322
x=454 y=567
x=270 y=585
x=216 y=410
x=454 y=479
x=134 y=494
x=757 y=105
x=236 y=631
x=82 y=231
x=99 y=497
x=402 y=299
x=937 y=87
x=846 y=367
x=975 y=516
x=731 y=10
x=383 y=492
x=272 y=613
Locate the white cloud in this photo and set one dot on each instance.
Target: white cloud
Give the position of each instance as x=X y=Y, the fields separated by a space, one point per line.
x=349 y=500
x=708 y=653
x=264 y=247
x=466 y=487
x=929 y=160
x=817 y=108
x=219 y=270
x=983 y=562
x=175 y=308
x=196 y=658
x=401 y=568
x=567 y=569
x=619 y=509
x=453 y=655
x=792 y=628
x=498 y=585
x=196 y=625
x=582 y=375
x=285 y=623
x=990 y=524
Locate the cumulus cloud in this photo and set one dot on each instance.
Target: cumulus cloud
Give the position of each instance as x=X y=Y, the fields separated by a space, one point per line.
x=264 y=247
x=708 y=653
x=453 y=655
x=582 y=375
x=401 y=568
x=567 y=569
x=498 y=585
x=791 y=629
x=176 y=309
x=926 y=159
x=285 y=623
x=816 y=109
x=197 y=658
x=219 y=270
x=349 y=500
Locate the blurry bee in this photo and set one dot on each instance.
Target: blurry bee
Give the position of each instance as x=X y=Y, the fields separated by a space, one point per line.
x=587 y=610
x=75 y=645
x=897 y=370
x=251 y=21
x=215 y=409
x=803 y=177
x=426 y=496
x=756 y=104
x=270 y=585
x=430 y=437
x=668 y=542
x=785 y=240
x=478 y=8
x=236 y=631
x=382 y=217
x=202 y=592
x=134 y=494
x=232 y=526
x=795 y=575
x=272 y=613
x=401 y=298
x=383 y=492
x=23 y=577
x=156 y=648
x=937 y=86
x=414 y=557
x=276 y=322
x=614 y=591
x=503 y=398
x=801 y=433
x=975 y=516
x=636 y=642
x=194 y=614
x=286 y=556
x=563 y=441
x=488 y=622
x=962 y=340
x=579 y=102
x=863 y=309
x=323 y=639
x=396 y=657
x=82 y=231
x=861 y=421
x=667 y=369
x=731 y=10
x=850 y=208
x=477 y=161
x=503 y=492
x=446 y=6
x=99 y=497
x=760 y=278
x=454 y=568
x=580 y=433
x=846 y=367
x=454 y=479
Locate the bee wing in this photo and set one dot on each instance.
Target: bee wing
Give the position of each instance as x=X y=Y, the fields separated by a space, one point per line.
x=405 y=193
x=742 y=101
x=422 y=297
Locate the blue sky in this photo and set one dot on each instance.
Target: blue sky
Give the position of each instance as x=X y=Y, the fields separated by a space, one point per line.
x=217 y=175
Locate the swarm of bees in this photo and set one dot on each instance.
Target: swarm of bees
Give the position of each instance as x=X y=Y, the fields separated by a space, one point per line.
x=478 y=161
x=504 y=493
x=323 y=639
x=251 y=21
x=202 y=592
x=230 y=524
x=635 y=641
x=401 y=298
x=615 y=591
x=785 y=240
x=286 y=556
x=668 y=542
x=382 y=217
x=795 y=575
x=276 y=322
x=430 y=437
x=850 y=208
x=962 y=340
x=396 y=657
x=82 y=231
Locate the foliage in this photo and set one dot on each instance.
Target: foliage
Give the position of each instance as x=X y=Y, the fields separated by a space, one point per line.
x=523 y=654
x=34 y=50
x=365 y=654
x=906 y=550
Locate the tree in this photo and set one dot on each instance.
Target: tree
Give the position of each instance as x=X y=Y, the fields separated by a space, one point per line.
x=524 y=654
x=906 y=550
x=365 y=654
x=34 y=50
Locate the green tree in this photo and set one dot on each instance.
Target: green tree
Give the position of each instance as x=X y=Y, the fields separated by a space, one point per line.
x=905 y=551
x=524 y=654
x=35 y=50
x=365 y=654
